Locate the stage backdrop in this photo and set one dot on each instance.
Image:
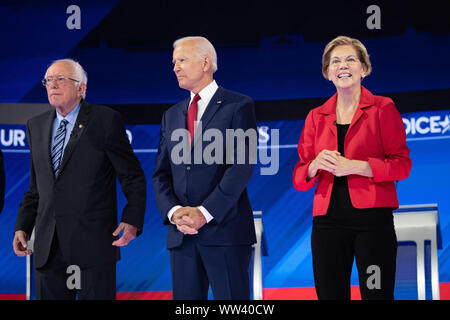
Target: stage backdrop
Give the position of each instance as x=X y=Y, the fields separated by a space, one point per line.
x=271 y=52
x=143 y=271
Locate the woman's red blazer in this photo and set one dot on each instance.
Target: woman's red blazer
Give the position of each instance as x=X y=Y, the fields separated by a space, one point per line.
x=376 y=134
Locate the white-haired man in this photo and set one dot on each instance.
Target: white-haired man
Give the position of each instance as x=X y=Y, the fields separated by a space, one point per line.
x=77 y=153
x=206 y=206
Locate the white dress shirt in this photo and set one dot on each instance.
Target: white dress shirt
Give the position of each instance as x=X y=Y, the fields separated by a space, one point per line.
x=205 y=97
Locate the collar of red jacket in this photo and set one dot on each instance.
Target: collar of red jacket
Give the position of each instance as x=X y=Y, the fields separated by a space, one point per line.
x=366 y=100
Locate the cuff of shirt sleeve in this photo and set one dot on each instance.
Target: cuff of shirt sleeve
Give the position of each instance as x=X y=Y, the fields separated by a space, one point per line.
x=171 y=212
x=206 y=214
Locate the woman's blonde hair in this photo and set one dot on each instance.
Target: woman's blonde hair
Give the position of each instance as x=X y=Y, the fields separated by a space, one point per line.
x=361 y=51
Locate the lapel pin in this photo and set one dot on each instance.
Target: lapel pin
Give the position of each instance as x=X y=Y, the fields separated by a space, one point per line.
x=80 y=126
x=219 y=102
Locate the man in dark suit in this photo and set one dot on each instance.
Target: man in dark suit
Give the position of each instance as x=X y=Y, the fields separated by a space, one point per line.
x=2 y=182
x=77 y=153
x=205 y=203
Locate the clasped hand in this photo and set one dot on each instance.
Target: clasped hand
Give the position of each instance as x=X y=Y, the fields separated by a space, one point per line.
x=188 y=220
x=331 y=161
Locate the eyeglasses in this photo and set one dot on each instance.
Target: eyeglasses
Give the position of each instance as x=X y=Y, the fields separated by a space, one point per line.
x=350 y=60
x=48 y=81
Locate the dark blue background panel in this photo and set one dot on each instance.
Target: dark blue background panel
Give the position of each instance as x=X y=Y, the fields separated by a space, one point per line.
x=268 y=71
x=271 y=51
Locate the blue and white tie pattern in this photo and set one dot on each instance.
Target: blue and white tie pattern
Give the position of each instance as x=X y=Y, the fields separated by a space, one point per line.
x=58 y=145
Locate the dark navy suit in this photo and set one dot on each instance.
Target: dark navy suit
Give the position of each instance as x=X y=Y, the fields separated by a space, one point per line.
x=221 y=189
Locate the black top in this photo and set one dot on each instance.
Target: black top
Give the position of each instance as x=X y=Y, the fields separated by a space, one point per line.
x=341 y=211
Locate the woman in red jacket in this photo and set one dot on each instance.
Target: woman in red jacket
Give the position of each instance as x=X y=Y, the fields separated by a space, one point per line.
x=354 y=147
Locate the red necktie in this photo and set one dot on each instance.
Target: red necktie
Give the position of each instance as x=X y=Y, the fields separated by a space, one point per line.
x=192 y=116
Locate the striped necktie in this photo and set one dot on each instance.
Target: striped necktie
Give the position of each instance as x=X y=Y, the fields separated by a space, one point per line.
x=58 y=146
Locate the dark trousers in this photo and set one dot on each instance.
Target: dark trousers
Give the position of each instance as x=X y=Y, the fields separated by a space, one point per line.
x=194 y=267
x=375 y=252
x=54 y=281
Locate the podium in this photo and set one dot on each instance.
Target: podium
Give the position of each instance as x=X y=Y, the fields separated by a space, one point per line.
x=259 y=250
x=420 y=223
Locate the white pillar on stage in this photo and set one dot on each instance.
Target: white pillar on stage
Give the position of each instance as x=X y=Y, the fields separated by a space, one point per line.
x=419 y=223
x=259 y=249
x=30 y=273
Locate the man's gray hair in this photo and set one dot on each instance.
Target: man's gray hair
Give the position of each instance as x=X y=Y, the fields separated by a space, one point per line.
x=80 y=73
x=204 y=48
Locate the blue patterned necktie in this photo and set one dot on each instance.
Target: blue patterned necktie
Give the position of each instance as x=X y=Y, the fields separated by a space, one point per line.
x=58 y=145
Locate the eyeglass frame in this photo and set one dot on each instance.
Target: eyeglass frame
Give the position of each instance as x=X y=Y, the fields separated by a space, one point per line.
x=346 y=60
x=57 y=79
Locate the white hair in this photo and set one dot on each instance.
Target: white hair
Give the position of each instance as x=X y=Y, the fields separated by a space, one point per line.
x=80 y=73
x=204 y=48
